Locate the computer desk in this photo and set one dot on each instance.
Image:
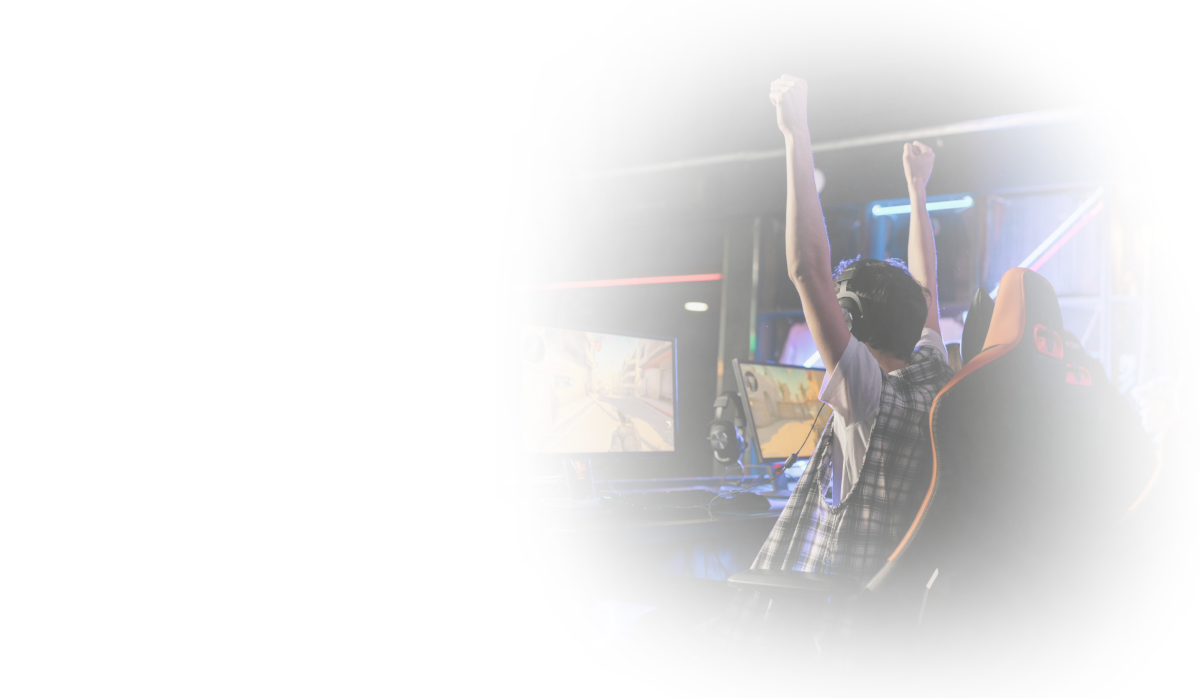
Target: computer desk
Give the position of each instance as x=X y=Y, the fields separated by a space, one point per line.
x=673 y=557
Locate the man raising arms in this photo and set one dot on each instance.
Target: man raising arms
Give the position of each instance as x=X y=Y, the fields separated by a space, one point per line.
x=885 y=364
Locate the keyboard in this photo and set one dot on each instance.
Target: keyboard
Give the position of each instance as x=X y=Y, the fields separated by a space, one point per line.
x=665 y=504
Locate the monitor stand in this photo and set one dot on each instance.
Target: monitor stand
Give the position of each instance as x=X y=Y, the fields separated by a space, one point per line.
x=580 y=488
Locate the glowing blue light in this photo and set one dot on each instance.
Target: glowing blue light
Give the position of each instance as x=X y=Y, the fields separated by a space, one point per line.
x=816 y=356
x=965 y=202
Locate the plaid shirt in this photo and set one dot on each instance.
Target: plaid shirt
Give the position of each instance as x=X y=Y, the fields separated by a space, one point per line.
x=853 y=540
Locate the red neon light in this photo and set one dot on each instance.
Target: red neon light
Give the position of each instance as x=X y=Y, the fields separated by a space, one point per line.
x=601 y=283
x=1070 y=234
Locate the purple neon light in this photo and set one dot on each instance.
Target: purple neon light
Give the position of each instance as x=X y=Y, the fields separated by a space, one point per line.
x=1070 y=234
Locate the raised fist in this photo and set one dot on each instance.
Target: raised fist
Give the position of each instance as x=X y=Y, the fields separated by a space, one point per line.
x=790 y=96
x=918 y=162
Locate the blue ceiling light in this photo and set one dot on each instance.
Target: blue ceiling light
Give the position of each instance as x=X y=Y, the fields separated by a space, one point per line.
x=965 y=202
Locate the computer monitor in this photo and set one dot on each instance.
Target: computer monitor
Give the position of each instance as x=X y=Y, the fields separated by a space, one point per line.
x=781 y=405
x=589 y=392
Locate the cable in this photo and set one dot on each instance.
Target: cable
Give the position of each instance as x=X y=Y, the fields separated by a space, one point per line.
x=791 y=460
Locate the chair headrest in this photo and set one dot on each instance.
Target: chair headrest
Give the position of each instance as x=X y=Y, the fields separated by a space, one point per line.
x=975 y=329
x=1026 y=311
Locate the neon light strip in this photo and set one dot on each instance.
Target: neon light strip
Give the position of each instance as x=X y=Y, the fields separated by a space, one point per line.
x=1070 y=234
x=641 y=281
x=966 y=202
x=1058 y=232
x=816 y=356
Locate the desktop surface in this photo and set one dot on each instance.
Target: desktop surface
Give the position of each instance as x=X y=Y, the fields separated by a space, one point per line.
x=598 y=530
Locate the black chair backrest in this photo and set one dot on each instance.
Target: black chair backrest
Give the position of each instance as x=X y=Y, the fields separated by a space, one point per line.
x=1000 y=458
x=979 y=318
x=1067 y=554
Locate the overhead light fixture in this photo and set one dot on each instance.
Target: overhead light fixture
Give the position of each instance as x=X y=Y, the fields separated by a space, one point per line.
x=695 y=306
x=965 y=202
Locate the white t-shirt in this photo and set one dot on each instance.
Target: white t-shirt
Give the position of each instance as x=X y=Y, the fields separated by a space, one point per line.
x=852 y=390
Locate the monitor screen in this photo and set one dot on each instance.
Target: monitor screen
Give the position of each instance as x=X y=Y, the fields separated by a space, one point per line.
x=594 y=392
x=781 y=405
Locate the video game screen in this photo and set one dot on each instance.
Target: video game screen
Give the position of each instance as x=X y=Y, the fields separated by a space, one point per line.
x=594 y=392
x=781 y=404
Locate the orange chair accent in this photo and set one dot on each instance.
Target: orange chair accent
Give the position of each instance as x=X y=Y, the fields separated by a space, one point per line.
x=1078 y=375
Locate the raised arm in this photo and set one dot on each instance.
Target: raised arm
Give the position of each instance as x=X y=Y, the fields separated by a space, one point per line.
x=922 y=255
x=807 y=243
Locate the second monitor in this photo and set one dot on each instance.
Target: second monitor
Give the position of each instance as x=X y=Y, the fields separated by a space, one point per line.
x=781 y=407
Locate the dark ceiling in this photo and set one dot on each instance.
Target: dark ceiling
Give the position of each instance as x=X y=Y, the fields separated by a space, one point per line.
x=574 y=78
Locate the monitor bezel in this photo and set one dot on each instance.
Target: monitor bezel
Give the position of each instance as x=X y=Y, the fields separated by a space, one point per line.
x=675 y=398
x=740 y=380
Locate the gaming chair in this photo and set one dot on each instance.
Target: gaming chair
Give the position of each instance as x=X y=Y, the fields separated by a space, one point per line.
x=1006 y=528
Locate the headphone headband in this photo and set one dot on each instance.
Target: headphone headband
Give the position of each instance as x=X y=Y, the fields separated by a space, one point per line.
x=851 y=304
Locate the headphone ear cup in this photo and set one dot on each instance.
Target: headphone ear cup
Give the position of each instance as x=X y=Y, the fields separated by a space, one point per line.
x=724 y=440
x=855 y=320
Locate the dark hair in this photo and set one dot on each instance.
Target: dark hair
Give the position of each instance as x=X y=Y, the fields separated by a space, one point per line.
x=894 y=304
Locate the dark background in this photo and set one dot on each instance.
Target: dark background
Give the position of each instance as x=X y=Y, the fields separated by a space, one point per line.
x=557 y=83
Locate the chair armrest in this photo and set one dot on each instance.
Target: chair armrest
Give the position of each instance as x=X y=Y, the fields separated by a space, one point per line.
x=790 y=583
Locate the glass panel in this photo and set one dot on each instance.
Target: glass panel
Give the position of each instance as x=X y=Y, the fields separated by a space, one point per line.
x=953 y=233
x=1020 y=224
x=1128 y=245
